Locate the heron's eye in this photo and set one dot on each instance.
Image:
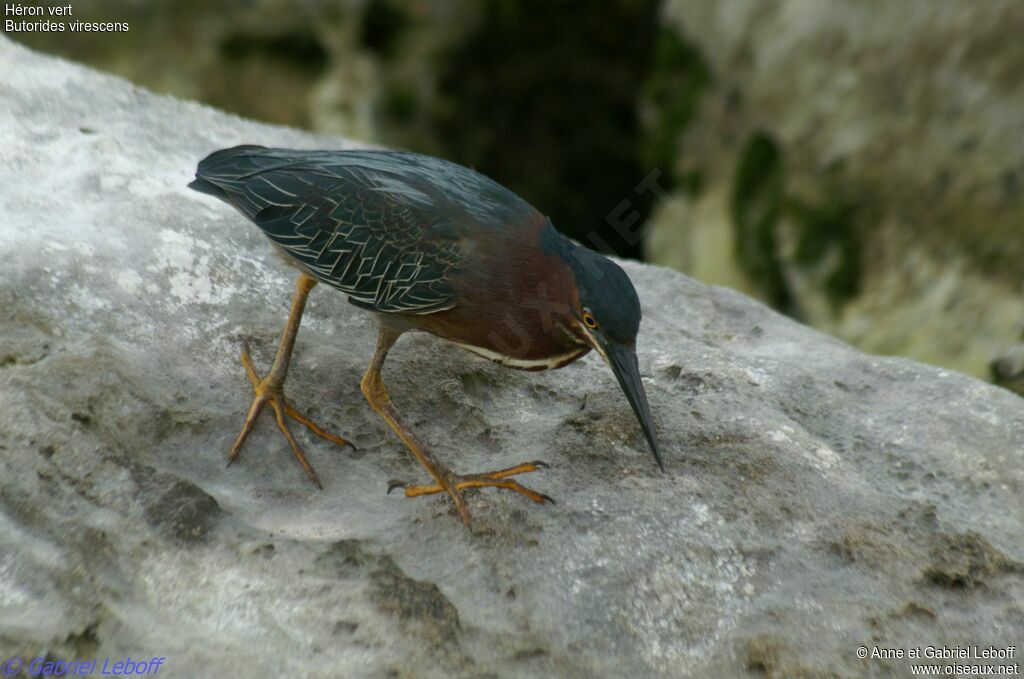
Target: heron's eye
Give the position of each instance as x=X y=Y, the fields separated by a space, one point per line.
x=589 y=320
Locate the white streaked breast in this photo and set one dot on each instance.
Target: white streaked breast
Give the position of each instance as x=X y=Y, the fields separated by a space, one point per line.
x=527 y=364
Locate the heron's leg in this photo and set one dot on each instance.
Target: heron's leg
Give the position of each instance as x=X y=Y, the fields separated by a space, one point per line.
x=269 y=389
x=376 y=394
x=444 y=480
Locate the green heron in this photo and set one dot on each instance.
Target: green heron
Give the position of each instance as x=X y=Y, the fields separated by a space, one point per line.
x=428 y=245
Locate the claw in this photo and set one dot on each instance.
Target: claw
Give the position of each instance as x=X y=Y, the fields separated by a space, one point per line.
x=395 y=484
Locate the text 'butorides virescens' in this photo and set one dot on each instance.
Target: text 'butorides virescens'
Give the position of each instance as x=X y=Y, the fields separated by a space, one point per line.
x=428 y=245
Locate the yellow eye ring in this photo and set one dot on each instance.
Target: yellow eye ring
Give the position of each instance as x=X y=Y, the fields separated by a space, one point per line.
x=589 y=320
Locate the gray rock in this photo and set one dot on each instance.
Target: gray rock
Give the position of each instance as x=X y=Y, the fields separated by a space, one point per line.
x=816 y=498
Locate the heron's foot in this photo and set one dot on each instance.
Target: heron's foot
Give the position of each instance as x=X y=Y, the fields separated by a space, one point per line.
x=454 y=484
x=269 y=390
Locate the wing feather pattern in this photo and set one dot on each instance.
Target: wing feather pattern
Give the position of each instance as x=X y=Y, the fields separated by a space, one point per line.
x=384 y=227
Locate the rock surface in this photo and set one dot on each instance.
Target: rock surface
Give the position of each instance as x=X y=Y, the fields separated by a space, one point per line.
x=816 y=499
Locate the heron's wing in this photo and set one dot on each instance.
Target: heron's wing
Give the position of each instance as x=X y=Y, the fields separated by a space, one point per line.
x=386 y=228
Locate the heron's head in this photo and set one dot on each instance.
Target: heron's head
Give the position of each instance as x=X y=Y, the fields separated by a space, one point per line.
x=608 y=319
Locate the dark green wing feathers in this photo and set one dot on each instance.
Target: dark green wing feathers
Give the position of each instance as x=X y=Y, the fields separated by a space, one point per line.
x=383 y=227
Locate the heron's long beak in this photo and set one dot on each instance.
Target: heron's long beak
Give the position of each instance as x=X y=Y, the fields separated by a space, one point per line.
x=623 y=362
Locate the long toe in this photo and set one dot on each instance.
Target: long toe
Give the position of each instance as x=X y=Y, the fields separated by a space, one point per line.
x=496 y=479
x=314 y=427
x=282 y=424
x=255 y=408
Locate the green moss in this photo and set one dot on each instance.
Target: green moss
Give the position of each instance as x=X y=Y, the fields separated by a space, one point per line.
x=678 y=78
x=299 y=49
x=382 y=24
x=826 y=228
x=756 y=204
x=691 y=182
x=400 y=103
x=826 y=231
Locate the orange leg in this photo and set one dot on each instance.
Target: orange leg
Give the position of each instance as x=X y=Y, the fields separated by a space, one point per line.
x=269 y=389
x=444 y=480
